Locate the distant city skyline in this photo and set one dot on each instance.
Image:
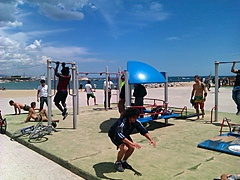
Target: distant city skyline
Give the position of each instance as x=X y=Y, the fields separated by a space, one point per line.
x=181 y=37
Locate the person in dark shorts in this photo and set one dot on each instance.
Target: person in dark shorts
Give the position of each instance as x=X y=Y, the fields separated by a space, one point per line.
x=236 y=88
x=119 y=134
x=62 y=88
x=18 y=106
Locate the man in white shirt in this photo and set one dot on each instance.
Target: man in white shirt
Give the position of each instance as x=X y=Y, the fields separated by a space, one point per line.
x=107 y=88
x=89 y=91
x=42 y=93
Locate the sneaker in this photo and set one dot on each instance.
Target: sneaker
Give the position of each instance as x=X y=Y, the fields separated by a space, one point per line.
x=238 y=113
x=125 y=165
x=65 y=115
x=118 y=166
x=54 y=124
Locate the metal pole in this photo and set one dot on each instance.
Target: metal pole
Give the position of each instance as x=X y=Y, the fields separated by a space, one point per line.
x=74 y=95
x=106 y=88
x=166 y=89
x=216 y=90
x=226 y=62
x=77 y=90
x=127 y=90
x=49 y=97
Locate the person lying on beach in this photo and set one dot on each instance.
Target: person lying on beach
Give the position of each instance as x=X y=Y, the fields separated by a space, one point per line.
x=18 y=106
x=33 y=115
x=230 y=177
x=119 y=133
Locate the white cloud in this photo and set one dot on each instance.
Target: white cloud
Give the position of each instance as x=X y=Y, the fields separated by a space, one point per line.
x=173 y=38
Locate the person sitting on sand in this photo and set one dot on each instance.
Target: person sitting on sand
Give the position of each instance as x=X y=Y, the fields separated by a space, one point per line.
x=199 y=93
x=33 y=115
x=18 y=106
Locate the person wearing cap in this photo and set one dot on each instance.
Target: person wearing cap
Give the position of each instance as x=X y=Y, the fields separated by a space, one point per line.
x=42 y=93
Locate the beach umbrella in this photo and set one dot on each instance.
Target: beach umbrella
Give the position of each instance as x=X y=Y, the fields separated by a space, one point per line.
x=83 y=78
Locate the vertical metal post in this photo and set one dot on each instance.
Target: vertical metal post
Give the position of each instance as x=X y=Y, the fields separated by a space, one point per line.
x=106 y=88
x=77 y=90
x=166 y=89
x=127 y=90
x=49 y=97
x=216 y=91
x=74 y=88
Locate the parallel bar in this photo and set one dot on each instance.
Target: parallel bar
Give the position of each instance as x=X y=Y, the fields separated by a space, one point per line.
x=226 y=62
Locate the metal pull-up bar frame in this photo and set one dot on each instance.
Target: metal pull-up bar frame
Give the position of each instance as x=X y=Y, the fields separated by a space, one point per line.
x=74 y=91
x=216 y=84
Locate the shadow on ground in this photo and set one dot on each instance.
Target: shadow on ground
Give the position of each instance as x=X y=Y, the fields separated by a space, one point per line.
x=152 y=125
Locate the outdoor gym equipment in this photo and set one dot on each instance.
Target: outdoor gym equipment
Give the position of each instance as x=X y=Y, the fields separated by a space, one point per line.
x=216 y=84
x=74 y=90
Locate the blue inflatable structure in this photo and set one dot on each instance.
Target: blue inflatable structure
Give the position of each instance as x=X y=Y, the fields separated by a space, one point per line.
x=141 y=73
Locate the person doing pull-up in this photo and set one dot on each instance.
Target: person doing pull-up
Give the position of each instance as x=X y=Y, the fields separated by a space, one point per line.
x=62 y=88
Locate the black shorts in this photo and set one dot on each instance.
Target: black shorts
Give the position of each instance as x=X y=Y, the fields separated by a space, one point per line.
x=118 y=141
x=61 y=96
x=26 y=108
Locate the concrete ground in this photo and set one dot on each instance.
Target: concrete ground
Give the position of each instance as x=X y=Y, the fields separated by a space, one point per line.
x=88 y=152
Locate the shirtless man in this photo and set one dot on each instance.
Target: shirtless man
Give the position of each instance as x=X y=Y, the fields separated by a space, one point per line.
x=198 y=95
x=32 y=113
x=17 y=106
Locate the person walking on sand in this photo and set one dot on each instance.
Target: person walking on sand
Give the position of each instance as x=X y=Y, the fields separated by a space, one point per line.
x=62 y=88
x=236 y=88
x=18 y=106
x=89 y=91
x=198 y=96
x=119 y=133
x=42 y=94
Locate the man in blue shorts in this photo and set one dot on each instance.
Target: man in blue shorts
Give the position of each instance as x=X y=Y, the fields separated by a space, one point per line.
x=119 y=134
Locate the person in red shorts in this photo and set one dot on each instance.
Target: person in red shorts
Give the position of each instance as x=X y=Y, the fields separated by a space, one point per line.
x=62 y=88
x=199 y=93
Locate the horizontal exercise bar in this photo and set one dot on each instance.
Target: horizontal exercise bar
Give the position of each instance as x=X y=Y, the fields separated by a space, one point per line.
x=72 y=63
x=226 y=62
x=97 y=73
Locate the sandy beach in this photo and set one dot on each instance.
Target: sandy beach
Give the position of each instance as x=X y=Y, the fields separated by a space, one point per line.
x=88 y=152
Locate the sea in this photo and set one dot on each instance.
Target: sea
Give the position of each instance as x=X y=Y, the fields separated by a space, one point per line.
x=33 y=85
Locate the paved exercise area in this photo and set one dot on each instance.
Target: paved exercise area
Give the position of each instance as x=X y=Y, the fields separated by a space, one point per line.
x=88 y=152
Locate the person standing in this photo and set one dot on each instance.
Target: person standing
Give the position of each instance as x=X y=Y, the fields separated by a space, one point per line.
x=62 y=88
x=139 y=93
x=80 y=86
x=121 y=102
x=236 y=88
x=198 y=96
x=89 y=91
x=42 y=94
x=119 y=133
x=108 y=88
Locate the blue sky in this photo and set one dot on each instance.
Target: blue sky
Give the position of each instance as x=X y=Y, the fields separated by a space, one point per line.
x=181 y=37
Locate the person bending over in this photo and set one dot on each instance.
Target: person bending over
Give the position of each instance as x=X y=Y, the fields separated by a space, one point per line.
x=119 y=134
x=18 y=106
x=199 y=93
x=62 y=89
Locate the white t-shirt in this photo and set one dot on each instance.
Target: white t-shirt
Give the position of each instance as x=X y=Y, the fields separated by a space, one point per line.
x=43 y=90
x=88 y=88
x=110 y=84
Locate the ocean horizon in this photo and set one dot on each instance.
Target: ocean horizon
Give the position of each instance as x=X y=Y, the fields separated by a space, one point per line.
x=33 y=85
